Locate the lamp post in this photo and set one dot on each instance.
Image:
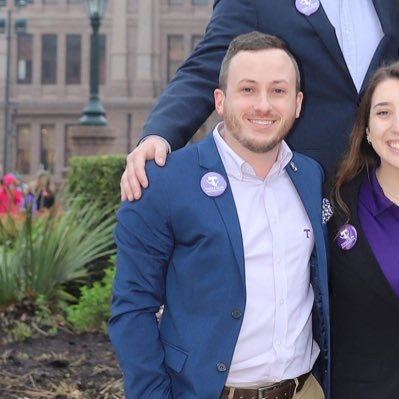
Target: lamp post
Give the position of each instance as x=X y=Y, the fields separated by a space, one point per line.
x=94 y=113
x=6 y=93
x=6 y=103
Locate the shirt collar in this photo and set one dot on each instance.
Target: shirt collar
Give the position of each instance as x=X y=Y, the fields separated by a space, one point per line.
x=237 y=167
x=372 y=196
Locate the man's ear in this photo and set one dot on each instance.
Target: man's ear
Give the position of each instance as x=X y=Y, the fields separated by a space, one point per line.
x=219 y=101
x=299 y=98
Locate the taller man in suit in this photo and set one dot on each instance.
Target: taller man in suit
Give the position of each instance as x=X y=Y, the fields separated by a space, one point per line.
x=338 y=44
x=229 y=237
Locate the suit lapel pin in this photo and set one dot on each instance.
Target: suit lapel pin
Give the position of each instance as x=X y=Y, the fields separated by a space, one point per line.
x=213 y=184
x=307 y=7
x=346 y=237
x=293 y=166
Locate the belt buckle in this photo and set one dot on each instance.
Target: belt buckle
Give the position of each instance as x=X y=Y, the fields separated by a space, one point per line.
x=263 y=390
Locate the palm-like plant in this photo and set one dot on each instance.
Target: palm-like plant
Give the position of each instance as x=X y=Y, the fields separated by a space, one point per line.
x=53 y=249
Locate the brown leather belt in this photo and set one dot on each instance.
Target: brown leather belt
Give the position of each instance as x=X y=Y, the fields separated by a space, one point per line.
x=281 y=390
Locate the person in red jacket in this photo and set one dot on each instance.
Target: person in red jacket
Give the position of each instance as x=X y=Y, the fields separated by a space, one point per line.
x=10 y=196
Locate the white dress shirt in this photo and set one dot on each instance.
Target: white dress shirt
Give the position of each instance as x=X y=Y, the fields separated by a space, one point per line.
x=358 y=31
x=275 y=340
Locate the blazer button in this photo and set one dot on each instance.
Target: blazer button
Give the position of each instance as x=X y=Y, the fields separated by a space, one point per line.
x=221 y=367
x=236 y=313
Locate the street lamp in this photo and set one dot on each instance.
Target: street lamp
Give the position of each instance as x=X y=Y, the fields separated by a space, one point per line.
x=94 y=113
x=20 y=28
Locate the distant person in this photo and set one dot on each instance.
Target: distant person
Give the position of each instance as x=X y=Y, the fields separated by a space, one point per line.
x=44 y=192
x=338 y=45
x=364 y=261
x=10 y=196
x=229 y=237
x=29 y=200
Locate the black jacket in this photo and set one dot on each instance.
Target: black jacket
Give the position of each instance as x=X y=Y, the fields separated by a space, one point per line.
x=365 y=316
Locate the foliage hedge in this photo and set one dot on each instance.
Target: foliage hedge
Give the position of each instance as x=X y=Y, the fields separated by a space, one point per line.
x=96 y=178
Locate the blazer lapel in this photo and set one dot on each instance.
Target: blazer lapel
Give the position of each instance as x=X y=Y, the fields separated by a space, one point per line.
x=311 y=200
x=387 y=13
x=326 y=31
x=210 y=161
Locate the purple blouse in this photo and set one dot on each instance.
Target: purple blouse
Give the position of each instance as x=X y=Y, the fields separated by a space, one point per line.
x=379 y=218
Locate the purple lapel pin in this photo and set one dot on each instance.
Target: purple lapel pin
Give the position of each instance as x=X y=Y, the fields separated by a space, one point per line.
x=307 y=7
x=347 y=237
x=213 y=184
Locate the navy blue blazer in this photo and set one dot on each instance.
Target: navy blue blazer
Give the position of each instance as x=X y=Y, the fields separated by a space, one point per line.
x=179 y=247
x=330 y=101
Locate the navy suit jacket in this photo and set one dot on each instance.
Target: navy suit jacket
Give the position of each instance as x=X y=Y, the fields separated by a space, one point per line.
x=330 y=101
x=179 y=247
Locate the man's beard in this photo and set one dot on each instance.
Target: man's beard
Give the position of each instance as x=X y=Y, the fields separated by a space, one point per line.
x=236 y=130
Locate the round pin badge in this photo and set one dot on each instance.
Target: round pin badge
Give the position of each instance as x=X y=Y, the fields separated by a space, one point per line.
x=213 y=184
x=307 y=7
x=347 y=237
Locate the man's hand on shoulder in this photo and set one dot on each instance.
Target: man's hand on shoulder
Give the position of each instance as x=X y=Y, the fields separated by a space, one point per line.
x=134 y=177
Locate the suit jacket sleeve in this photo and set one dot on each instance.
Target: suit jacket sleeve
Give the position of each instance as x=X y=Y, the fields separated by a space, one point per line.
x=144 y=245
x=187 y=100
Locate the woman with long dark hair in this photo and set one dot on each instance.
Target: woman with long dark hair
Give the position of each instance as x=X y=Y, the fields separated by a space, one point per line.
x=364 y=257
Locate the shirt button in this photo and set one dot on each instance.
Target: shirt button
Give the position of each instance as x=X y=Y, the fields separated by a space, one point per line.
x=281 y=301
x=236 y=313
x=221 y=367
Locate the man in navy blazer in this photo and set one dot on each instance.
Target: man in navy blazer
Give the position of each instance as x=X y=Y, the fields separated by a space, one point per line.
x=337 y=44
x=229 y=238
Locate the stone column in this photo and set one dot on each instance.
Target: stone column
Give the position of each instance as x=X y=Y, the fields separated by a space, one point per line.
x=118 y=50
x=143 y=85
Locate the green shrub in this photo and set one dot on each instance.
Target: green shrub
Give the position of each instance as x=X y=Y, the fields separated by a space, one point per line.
x=96 y=178
x=93 y=310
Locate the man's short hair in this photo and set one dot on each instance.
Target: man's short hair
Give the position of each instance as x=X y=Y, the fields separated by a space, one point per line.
x=255 y=41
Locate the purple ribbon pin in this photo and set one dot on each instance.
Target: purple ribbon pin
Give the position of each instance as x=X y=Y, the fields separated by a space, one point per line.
x=307 y=7
x=347 y=237
x=213 y=184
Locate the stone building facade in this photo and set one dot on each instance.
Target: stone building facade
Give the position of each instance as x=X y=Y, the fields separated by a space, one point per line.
x=142 y=43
